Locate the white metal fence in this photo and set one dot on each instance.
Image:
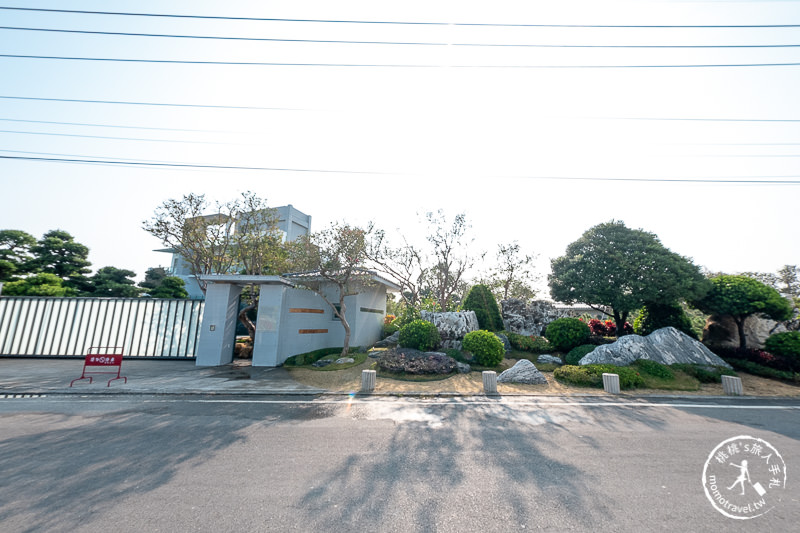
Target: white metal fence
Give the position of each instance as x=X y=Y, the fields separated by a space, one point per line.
x=143 y=327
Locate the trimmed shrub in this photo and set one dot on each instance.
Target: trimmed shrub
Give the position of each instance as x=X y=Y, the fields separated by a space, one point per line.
x=481 y=300
x=652 y=368
x=420 y=335
x=592 y=375
x=531 y=344
x=655 y=316
x=567 y=333
x=388 y=329
x=787 y=346
x=485 y=347
x=759 y=357
x=576 y=354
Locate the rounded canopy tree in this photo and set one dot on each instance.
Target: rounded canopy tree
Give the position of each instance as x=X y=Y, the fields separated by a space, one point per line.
x=740 y=297
x=621 y=268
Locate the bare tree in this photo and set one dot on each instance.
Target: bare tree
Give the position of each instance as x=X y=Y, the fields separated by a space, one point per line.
x=513 y=277
x=450 y=254
x=404 y=265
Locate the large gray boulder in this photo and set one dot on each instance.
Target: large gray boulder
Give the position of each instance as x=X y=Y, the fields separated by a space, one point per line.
x=667 y=346
x=522 y=372
x=452 y=326
x=528 y=318
x=722 y=331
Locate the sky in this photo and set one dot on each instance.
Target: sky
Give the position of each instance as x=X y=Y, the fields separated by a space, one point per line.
x=538 y=120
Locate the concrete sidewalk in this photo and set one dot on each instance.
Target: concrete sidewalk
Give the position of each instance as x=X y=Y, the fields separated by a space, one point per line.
x=53 y=376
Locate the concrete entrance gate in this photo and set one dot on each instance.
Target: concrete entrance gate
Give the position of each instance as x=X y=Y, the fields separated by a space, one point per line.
x=290 y=320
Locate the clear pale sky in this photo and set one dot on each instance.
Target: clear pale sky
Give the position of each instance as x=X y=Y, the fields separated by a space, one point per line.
x=536 y=143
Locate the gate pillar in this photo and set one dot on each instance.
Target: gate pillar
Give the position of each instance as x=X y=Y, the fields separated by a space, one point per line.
x=269 y=324
x=218 y=333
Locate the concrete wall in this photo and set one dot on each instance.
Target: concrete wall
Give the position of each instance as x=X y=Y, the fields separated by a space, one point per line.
x=290 y=321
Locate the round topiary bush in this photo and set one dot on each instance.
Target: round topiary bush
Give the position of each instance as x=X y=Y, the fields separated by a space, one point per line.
x=787 y=346
x=485 y=347
x=481 y=300
x=420 y=335
x=576 y=354
x=567 y=333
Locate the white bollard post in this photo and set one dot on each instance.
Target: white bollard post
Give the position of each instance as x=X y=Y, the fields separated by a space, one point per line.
x=489 y=382
x=732 y=386
x=368 y=380
x=611 y=383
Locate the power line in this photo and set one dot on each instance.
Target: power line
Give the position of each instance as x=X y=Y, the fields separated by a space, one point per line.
x=389 y=65
x=399 y=43
x=112 y=138
x=187 y=165
x=395 y=22
x=150 y=103
x=94 y=125
x=742 y=180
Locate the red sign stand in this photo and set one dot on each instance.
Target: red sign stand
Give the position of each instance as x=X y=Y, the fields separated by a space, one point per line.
x=103 y=357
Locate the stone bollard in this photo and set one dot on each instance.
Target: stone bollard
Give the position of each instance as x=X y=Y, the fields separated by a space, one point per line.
x=732 y=386
x=611 y=383
x=367 y=380
x=489 y=382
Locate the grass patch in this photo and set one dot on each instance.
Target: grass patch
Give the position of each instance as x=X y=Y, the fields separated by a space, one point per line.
x=547 y=367
x=704 y=374
x=305 y=360
x=358 y=358
x=402 y=376
x=680 y=381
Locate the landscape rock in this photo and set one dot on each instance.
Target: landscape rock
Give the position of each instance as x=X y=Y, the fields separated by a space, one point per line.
x=321 y=363
x=522 y=372
x=413 y=361
x=722 y=331
x=530 y=318
x=550 y=359
x=389 y=341
x=344 y=360
x=505 y=341
x=374 y=354
x=667 y=346
x=452 y=326
x=463 y=368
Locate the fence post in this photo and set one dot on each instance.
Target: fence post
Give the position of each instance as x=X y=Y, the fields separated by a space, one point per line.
x=368 y=380
x=732 y=386
x=611 y=383
x=489 y=382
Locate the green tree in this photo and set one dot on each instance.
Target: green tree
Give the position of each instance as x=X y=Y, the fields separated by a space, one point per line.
x=741 y=297
x=15 y=253
x=58 y=253
x=481 y=300
x=112 y=282
x=153 y=278
x=334 y=256
x=612 y=265
x=170 y=287
x=38 y=285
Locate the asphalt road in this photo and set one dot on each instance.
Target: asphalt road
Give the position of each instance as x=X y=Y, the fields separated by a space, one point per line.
x=214 y=463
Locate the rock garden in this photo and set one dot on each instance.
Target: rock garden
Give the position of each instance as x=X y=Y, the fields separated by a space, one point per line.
x=442 y=353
